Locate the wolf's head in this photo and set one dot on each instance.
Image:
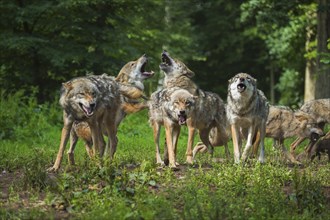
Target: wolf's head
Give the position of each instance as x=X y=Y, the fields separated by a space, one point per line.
x=174 y=67
x=81 y=96
x=181 y=104
x=134 y=72
x=242 y=84
x=308 y=125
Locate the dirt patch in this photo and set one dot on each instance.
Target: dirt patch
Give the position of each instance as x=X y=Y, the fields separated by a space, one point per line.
x=12 y=200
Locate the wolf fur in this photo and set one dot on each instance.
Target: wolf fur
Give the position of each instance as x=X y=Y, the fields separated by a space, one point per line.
x=219 y=136
x=171 y=108
x=208 y=112
x=318 y=109
x=282 y=123
x=322 y=146
x=247 y=111
x=175 y=107
x=94 y=100
x=130 y=81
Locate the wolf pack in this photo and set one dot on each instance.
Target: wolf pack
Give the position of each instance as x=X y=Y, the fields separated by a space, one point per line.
x=94 y=106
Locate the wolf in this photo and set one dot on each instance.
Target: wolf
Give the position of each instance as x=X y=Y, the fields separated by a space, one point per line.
x=318 y=109
x=219 y=136
x=94 y=99
x=322 y=146
x=177 y=74
x=283 y=122
x=175 y=107
x=171 y=108
x=130 y=81
x=247 y=111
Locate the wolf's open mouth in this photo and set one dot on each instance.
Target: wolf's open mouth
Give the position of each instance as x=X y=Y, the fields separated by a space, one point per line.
x=182 y=119
x=144 y=72
x=241 y=87
x=166 y=60
x=89 y=111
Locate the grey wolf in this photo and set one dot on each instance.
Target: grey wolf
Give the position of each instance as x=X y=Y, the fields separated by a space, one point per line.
x=282 y=123
x=247 y=111
x=175 y=107
x=171 y=108
x=322 y=146
x=318 y=109
x=94 y=100
x=209 y=109
x=130 y=81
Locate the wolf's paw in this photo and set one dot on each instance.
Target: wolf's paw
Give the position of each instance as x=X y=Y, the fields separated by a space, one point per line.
x=174 y=168
x=160 y=163
x=190 y=160
x=53 y=169
x=261 y=160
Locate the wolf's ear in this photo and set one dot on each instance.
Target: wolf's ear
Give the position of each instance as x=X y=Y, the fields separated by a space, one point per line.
x=189 y=73
x=67 y=85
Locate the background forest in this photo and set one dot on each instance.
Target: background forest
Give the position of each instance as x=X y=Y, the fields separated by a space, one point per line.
x=284 y=44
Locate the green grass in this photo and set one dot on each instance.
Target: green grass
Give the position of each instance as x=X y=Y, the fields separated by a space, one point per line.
x=133 y=187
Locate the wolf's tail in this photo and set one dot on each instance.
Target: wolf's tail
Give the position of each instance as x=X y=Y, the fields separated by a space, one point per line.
x=133 y=107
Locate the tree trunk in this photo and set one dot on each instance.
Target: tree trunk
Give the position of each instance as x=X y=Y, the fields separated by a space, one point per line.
x=323 y=34
x=167 y=24
x=272 y=86
x=310 y=70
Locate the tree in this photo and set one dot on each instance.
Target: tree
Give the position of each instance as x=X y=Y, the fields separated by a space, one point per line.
x=282 y=25
x=323 y=34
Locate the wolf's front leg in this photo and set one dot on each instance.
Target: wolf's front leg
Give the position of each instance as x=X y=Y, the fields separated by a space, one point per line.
x=169 y=143
x=248 y=144
x=156 y=133
x=236 y=142
x=64 y=140
x=191 y=135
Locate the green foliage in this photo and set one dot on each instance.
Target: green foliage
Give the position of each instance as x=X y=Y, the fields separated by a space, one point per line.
x=325 y=57
x=22 y=118
x=283 y=26
x=287 y=86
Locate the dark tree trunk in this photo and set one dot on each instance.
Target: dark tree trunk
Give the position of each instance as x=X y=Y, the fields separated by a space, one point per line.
x=322 y=89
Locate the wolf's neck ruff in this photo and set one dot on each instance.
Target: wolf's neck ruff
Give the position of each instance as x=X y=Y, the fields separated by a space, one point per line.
x=243 y=108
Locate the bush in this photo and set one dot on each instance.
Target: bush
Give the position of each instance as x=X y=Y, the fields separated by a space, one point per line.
x=21 y=117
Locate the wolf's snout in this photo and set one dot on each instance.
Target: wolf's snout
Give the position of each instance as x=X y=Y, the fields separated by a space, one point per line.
x=241 y=79
x=88 y=109
x=315 y=136
x=182 y=112
x=92 y=106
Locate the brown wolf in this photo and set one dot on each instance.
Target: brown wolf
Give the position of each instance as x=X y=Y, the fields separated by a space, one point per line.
x=95 y=100
x=282 y=123
x=247 y=111
x=180 y=108
x=209 y=113
x=318 y=109
x=130 y=80
x=171 y=108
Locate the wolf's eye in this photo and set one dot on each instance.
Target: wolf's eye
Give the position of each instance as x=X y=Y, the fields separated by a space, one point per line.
x=248 y=79
x=188 y=103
